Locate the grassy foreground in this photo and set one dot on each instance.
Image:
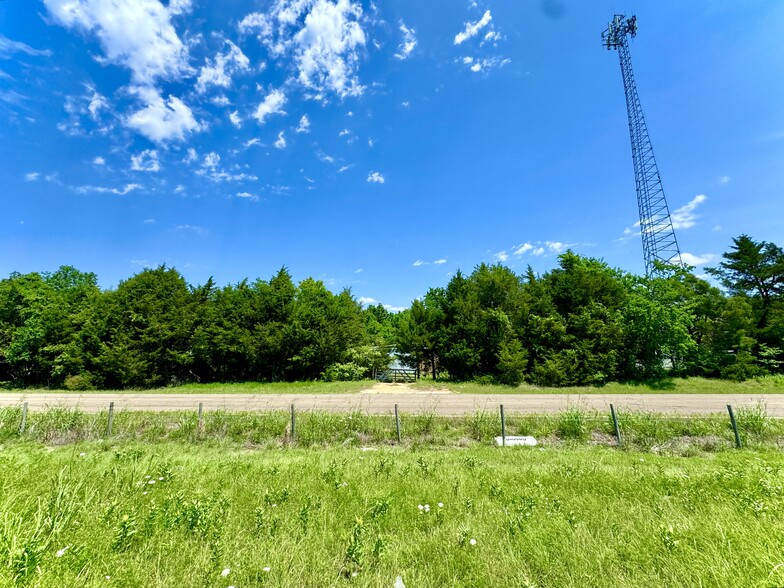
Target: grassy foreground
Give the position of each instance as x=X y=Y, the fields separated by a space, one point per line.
x=177 y=514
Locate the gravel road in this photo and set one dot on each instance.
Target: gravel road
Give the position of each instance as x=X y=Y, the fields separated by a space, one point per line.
x=374 y=402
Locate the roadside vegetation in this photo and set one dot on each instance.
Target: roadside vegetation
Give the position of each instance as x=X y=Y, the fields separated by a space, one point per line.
x=580 y=324
x=139 y=514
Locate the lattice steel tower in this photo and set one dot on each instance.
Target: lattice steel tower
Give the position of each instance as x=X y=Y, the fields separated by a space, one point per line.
x=658 y=236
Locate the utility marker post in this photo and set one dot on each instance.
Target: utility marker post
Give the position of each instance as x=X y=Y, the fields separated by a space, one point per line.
x=201 y=416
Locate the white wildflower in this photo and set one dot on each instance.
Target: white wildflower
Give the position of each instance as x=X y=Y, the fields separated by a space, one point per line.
x=267 y=569
x=472 y=541
x=427 y=508
x=420 y=507
x=151 y=481
x=82 y=454
x=61 y=552
x=440 y=505
x=399 y=582
x=225 y=572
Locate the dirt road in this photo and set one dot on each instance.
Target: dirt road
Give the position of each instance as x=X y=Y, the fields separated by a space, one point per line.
x=381 y=401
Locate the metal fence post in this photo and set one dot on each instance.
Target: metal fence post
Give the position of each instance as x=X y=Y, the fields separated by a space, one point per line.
x=615 y=424
x=734 y=426
x=201 y=416
x=397 y=424
x=24 y=419
x=111 y=419
x=293 y=423
x=503 y=427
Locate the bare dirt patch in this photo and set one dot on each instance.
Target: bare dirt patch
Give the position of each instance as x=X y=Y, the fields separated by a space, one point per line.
x=400 y=388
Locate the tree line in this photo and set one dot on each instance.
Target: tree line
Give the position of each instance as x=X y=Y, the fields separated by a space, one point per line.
x=580 y=323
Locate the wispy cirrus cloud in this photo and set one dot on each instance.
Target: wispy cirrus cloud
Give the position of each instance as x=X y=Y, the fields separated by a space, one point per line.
x=472 y=28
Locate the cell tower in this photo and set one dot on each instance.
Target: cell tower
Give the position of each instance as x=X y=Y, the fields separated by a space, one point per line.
x=658 y=236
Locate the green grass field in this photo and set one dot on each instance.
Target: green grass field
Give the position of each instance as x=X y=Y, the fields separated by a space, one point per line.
x=764 y=385
x=180 y=514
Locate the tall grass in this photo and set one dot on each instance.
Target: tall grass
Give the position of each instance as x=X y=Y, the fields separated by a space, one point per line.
x=640 y=430
x=177 y=514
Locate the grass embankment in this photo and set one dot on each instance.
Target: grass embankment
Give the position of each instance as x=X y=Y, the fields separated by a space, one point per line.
x=176 y=514
x=757 y=386
x=763 y=385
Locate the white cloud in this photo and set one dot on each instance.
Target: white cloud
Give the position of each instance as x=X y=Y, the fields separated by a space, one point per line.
x=391 y=308
x=555 y=246
x=192 y=228
x=472 y=28
x=501 y=256
x=191 y=155
x=684 y=217
x=149 y=221
x=211 y=161
x=724 y=180
x=179 y=189
x=344 y=168
x=281 y=142
x=359 y=271
x=477 y=65
x=491 y=37
x=419 y=262
x=439 y=262
x=137 y=34
x=409 y=42
x=367 y=300
x=344 y=132
x=97 y=103
x=99 y=161
x=524 y=248
x=32 y=176
x=180 y=6
x=247 y=196
x=101 y=190
x=220 y=100
x=323 y=36
x=375 y=178
x=272 y=104
x=304 y=124
x=210 y=167
x=235 y=119
x=161 y=121
x=252 y=142
x=698 y=260
x=8 y=47
x=538 y=251
x=147 y=160
x=218 y=72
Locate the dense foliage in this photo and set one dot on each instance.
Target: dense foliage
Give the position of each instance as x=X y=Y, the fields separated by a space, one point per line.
x=581 y=323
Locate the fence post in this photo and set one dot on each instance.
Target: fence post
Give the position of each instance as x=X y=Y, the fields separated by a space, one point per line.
x=397 y=424
x=111 y=418
x=201 y=416
x=24 y=419
x=293 y=423
x=503 y=427
x=734 y=426
x=615 y=424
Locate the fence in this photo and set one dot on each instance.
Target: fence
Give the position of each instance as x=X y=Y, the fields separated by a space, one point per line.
x=308 y=428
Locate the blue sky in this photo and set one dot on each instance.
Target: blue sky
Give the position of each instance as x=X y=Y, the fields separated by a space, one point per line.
x=376 y=146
